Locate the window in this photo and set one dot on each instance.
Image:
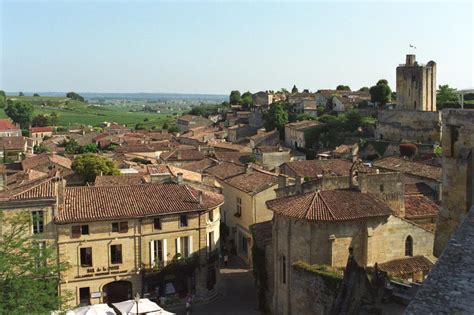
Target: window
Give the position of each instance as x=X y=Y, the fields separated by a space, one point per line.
x=211 y=241
x=381 y=188
x=84 y=296
x=239 y=207
x=157 y=252
x=86 y=257
x=38 y=221
x=120 y=227
x=183 y=246
x=78 y=230
x=40 y=254
x=409 y=246
x=116 y=254
x=243 y=244
x=157 y=223
x=211 y=216
x=283 y=269
x=183 y=220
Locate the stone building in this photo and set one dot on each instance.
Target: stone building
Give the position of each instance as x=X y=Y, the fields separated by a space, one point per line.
x=152 y=239
x=187 y=122
x=458 y=173
x=39 y=133
x=271 y=157
x=8 y=129
x=416 y=85
x=296 y=132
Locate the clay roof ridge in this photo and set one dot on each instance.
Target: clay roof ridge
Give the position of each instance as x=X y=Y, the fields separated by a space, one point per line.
x=41 y=182
x=326 y=205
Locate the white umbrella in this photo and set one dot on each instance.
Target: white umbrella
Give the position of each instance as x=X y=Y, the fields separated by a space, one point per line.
x=131 y=307
x=97 y=309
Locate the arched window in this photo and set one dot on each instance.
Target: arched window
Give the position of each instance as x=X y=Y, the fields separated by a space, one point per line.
x=409 y=246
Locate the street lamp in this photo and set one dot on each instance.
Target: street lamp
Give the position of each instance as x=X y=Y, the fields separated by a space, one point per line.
x=137 y=299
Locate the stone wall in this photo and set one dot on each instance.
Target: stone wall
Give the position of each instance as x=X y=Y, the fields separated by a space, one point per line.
x=458 y=173
x=408 y=125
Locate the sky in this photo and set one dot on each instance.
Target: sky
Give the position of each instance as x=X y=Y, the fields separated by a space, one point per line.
x=219 y=46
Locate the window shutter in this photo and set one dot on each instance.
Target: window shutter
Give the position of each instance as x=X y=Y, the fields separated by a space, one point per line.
x=152 y=253
x=190 y=244
x=178 y=245
x=75 y=231
x=165 y=251
x=123 y=227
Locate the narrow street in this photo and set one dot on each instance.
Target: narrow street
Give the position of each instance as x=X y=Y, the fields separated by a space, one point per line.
x=236 y=293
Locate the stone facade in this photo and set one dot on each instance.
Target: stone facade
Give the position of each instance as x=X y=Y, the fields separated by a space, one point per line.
x=295 y=133
x=458 y=173
x=409 y=125
x=416 y=85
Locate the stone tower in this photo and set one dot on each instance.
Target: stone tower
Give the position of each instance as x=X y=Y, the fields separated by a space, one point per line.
x=457 y=132
x=416 y=85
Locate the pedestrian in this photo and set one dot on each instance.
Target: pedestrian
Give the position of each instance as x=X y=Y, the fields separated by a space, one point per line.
x=189 y=300
x=226 y=258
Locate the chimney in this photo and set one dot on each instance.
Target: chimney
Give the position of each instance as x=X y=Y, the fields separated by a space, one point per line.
x=179 y=155
x=298 y=184
x=249 y=169
x=179 y=178
x=282 y=181
x=410 y=60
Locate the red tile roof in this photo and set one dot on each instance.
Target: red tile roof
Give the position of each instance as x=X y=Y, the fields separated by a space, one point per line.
x=46 y=158
x=13 y=143
x=182 y=155
x=313 y=168
x=37 y=189
x=330 y=205
x=420 y=207
x=419 y=189
x=253 y=182
x=234 y=157
x=6 y=124
x=41 y=129
x=404 y=266
x=199 y=166
x=123 y=180
x=90 y=203
x=409 y=167
x=225 y=170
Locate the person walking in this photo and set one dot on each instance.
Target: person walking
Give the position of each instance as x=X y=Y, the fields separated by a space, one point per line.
x=189 y=301
x=226 y=258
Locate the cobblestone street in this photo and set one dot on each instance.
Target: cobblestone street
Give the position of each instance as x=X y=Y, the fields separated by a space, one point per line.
x=236 y=292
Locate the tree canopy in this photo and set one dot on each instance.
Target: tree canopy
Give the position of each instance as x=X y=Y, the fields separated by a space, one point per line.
x=29 y=272
x=276 y=117
x=381 y=92
x=90 y=165
x=343 y=88
x=294 y=89
x=75 y=96
x=3 y=99
x=40 y=121
x=234 y=98
x=246 y=99
x=364 y=89
x=20 y=113
x=446 y=97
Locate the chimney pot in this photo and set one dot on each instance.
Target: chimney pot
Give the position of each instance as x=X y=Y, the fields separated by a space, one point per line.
x=179 y=178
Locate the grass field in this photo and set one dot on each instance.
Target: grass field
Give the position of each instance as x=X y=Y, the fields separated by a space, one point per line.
x=72 y=112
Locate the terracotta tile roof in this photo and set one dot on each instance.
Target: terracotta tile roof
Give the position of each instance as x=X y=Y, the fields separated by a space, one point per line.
x=124 y=180
x=303 y=125
x=90 y=203
x=227 y=146
x=199 y=166
x=420 y=207
x=262 y=233
x=187 y=175
x=6 y=124
x=225 y=170
x=193 y=118
x=158 y=169
x=182 y=155
x=19 y=178
x=41 y=129
x=313 y=168
x=330 y=205
x=13 y=143
x=253 y=182
x=409 y=167
x=419 y=189
x=271 y=149
x=404 y=266
x=127 y=148
x=233 y=157
x=38 y=189
x=45 y=158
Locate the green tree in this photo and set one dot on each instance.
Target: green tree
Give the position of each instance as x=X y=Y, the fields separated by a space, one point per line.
x=446 y=97
x=21 y=94
x=246 y=99
x=364 y=89
x=173 y=128
x=40 y=148
x=165 y=126
x=75 y=96
x=71 y=146
x=234 y=98
x=294 y=89
x=343 y=88
x=40 y=121
x=53 y=117
x=305 y=116
x=20 y=113
x=381 y=92
x=29 y=272
x=352 y=120
x=276 y=117
x=36 y=95
x=3 y=99
x=90 y=165
x=88 y=148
